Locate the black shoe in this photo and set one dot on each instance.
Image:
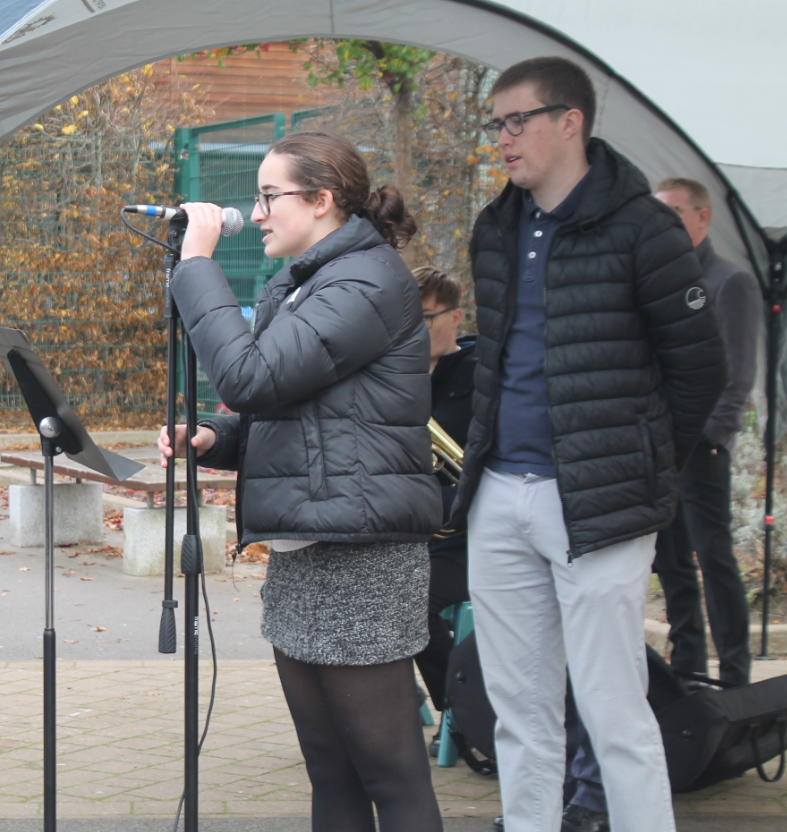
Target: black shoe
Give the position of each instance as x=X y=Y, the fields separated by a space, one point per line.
x=579 y=819
x=434 y=745
x=497 y=823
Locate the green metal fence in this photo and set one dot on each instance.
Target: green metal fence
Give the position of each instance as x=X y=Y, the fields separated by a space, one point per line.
x=218 y=163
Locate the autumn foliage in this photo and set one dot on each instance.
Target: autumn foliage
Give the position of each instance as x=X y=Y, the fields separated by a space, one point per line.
x=88 y=293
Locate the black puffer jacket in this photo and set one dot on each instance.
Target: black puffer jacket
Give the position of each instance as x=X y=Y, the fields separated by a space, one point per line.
x=633 y=370
x=332 y=388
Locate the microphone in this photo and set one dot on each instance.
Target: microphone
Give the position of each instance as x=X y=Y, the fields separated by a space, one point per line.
x=231 y=218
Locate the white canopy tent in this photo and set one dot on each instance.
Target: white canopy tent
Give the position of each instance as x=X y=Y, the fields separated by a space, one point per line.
x=686 y=56
x=718 y=68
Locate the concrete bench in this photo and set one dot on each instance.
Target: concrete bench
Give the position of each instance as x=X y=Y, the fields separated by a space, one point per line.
x=78 y=508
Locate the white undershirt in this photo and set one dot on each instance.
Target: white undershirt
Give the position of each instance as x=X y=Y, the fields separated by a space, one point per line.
x=290 y=545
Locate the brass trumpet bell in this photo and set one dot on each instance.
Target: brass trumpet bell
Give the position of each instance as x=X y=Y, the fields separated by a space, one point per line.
x=446 y=454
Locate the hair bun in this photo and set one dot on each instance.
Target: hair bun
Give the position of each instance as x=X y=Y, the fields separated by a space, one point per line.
x=386 y=211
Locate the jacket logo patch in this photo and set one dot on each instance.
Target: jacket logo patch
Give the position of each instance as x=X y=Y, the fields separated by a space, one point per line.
x=695 y=298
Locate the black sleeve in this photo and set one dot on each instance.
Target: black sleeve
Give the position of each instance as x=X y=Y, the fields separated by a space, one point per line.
x=224 y=454
x=739 y=306
x=341 y=327
x=683 y=330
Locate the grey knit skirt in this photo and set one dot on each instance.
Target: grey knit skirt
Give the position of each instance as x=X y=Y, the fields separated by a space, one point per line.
x=348 y=604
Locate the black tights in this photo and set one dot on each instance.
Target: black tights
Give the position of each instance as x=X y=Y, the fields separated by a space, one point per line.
x=361 y=737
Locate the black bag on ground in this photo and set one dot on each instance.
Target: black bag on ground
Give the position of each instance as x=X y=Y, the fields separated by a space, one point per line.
x=472 y=714
x=712 y=735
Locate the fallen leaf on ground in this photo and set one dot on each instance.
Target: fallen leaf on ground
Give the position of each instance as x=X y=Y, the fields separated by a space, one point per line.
x=24 y=568
x=87 y=563
x=7 y=553
x=253 y=553
x=155 y=693
x=83 y=578
x=99 y=629
x=236 y=599
x=3 y=595
x=71 y=640
x=258 y=575
x=70 y=573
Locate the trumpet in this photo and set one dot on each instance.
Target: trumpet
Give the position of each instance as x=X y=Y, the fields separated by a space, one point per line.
x=447 y=455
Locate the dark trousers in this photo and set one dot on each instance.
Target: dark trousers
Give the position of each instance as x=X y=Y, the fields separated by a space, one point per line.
x=447 y=586
x=582 y=785
x=702 y=525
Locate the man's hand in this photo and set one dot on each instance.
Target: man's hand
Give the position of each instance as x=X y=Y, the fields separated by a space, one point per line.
x=203 y=230
x=203 y=441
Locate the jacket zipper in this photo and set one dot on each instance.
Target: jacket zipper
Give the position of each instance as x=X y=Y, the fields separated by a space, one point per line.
x=570 y=552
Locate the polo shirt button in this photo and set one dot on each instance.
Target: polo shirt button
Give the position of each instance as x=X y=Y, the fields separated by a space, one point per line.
x=538 y=234
x=531 y=254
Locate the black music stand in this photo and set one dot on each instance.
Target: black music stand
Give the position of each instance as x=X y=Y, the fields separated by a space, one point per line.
x=61 y=431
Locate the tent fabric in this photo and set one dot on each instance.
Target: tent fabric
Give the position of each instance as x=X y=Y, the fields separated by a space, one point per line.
x=765 y=192
x=61 y=47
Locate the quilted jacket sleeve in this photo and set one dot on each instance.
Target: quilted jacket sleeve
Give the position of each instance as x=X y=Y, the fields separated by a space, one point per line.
x=348 y=321
x=224 y=454
x=682 y=326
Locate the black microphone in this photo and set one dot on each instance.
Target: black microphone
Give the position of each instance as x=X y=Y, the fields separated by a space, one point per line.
x=231 y=218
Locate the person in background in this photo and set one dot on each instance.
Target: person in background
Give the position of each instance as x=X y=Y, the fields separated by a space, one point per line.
x=702 y=524
x=597 y=371
x=334 y=466
x=453 y=362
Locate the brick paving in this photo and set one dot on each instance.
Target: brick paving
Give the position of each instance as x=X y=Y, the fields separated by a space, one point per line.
x=120 y=721
x=120 y=745
x=120 y=749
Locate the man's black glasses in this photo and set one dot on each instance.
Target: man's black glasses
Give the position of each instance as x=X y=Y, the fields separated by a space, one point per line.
x=515 y=122
x=429 y=319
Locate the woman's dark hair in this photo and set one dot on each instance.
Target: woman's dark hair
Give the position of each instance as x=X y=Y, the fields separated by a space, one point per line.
x=325 y=160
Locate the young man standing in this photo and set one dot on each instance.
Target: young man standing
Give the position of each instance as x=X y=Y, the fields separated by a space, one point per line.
x=597 y=371
x=703 y=524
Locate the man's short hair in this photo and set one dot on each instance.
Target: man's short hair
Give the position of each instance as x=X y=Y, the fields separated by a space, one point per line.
x=556 y=81
x=432 y=281
x=699 y=195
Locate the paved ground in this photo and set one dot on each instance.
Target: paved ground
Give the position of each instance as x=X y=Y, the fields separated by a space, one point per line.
x=120 y=713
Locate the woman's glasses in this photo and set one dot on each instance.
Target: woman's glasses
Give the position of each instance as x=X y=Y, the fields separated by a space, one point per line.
x=264 y=200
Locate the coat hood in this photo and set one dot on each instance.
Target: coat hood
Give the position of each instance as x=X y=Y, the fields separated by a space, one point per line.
x=613 y=182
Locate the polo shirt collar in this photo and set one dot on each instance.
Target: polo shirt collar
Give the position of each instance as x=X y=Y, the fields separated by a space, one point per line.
x=565 y=210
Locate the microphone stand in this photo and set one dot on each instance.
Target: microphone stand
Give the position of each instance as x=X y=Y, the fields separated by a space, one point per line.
x=191 y=559
x=191 y=550
x=49 y=429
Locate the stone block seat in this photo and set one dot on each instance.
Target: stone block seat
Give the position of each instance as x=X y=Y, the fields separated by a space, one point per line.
x=78 y=509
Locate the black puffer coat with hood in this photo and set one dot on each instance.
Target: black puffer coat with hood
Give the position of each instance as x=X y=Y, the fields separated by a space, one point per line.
x=332 y=389
x=634 y=360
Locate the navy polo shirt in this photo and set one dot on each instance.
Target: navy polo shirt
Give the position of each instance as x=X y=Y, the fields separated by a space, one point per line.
x=523 y=435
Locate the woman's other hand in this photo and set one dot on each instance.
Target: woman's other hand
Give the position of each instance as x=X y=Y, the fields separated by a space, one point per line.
x=203 y=441
x=203 y=230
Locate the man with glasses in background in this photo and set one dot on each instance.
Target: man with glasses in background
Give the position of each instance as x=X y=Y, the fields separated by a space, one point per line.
x=596 y=373
x=702 y=524
x=453 y=363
